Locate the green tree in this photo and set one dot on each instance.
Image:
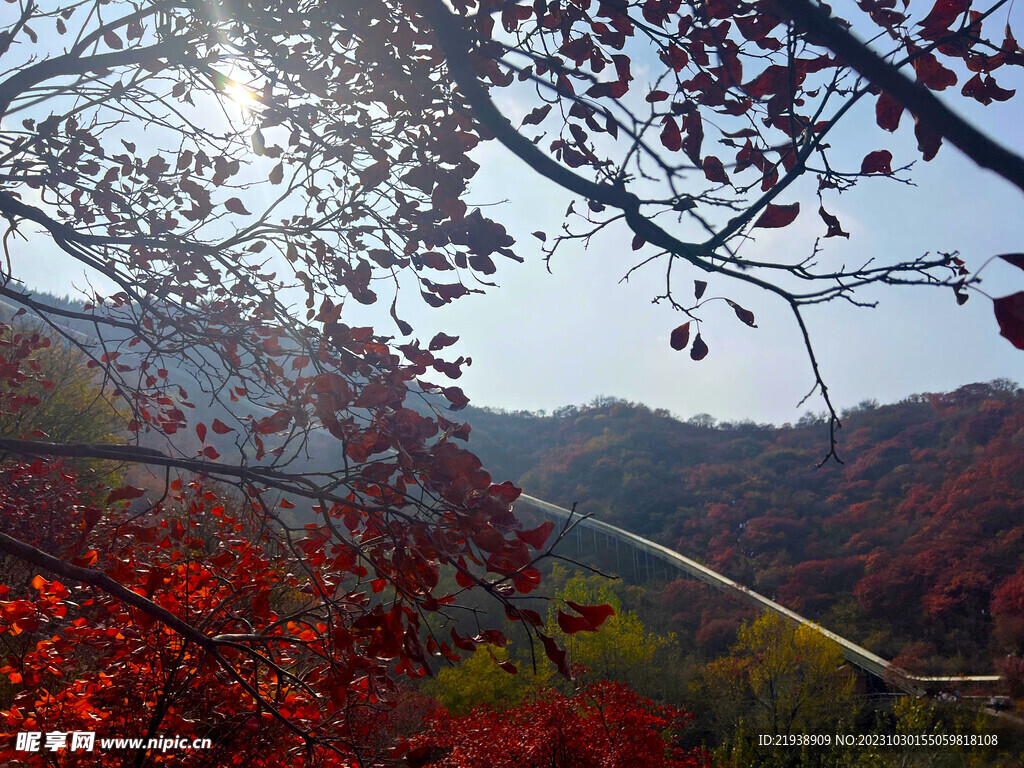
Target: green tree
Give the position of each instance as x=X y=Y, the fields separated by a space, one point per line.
x=781 y=678
x=479 y=679
x=622 y=649
x=69 y=404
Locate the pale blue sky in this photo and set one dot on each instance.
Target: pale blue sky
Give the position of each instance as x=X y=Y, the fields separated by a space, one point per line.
x=544 y=340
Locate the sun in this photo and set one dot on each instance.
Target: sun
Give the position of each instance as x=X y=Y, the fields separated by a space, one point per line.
x=240 y=101
x=241 y=97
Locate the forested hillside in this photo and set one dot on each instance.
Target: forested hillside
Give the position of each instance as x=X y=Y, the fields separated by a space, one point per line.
x=913 y=546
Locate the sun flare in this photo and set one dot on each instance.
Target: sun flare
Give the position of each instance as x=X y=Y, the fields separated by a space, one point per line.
x=244 y=99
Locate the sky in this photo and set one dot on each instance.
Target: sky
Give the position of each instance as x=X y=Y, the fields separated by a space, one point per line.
x=546 y=339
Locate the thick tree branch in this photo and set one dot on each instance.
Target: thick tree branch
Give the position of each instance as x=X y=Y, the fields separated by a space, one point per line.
x=921 y=102
x=68 y=64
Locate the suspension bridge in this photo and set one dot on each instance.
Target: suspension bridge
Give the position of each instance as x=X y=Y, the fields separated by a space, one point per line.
x=645 y=559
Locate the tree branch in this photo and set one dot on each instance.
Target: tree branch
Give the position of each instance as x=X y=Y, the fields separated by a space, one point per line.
x=921 y=102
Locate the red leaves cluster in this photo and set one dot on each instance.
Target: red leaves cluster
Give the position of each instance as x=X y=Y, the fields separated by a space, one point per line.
x=18 y=368
x=600 y=725
x=201 y=562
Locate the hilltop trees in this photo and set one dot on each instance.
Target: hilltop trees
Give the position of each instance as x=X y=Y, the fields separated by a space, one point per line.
x=914 y=544
x=235 y=176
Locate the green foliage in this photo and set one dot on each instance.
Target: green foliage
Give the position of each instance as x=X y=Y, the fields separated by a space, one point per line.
x=71 y=408
x=478 y=680
x=622 y=649
x=781 y=678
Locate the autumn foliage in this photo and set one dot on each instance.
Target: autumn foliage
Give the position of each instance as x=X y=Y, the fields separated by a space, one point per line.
x=914 y=544
x=234 y=178
x=602 y=725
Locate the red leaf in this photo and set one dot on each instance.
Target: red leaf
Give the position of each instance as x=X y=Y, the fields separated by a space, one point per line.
x=573 y=624
x=943 y=14
x=928 y=140
x=526 y=580
x=888 y=112
x=595 y=614
x=461 y=642
x=714 y=170
x=775 y=216
x=932 y=74
x=434 y=260
x=464 y=580
x=680 y=337
x=670 y=135
x=276 y=423
x=508 y=666
x=774 y=79
x=986 y=91
x=699 y=350
x=211 y=453
x=745 y=315
x=694 y=128
x=699 y=286
x=124 y=492
x=201 y=432
x=537 y=115
x=879 y=161
x=235 y=206
x=1010 y=316
x=221 y=428
x=440 y=341
x=834 y=227
x=1017 y=259
x=556 y=654
x=528 y=615
x=456 y=397
x=482 y=264
x=537 y=536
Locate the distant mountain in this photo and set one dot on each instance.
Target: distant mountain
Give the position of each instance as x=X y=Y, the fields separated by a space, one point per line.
x=910 y=546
